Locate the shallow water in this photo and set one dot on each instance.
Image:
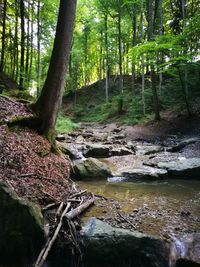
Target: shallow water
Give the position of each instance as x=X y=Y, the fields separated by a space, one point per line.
x=167 y=206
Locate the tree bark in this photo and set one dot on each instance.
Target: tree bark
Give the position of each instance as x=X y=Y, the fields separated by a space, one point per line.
x=49 y=102
x=120 y=51
x=3 y=38
x=107 y=67
x=21 y=82
x=38 y=48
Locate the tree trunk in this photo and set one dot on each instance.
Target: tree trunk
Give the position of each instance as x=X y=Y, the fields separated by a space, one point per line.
x=120 y=51
x=16 y=52
x=107 y=68
x=31 y=44
x=38 y=48
x=27 y=42
x=152 y=71
x=142 y=59
x=3 y=38
x=21 y=82
x=49 y=102
x=134 y=28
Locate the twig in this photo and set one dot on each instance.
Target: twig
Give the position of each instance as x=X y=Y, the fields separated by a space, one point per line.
x=126 y=220
x=45 y=251
x=59 y=211
x=45 y=193
x=50 y=206
x=79 y=193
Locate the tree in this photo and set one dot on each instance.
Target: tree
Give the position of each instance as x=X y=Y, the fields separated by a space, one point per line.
x=49 y=102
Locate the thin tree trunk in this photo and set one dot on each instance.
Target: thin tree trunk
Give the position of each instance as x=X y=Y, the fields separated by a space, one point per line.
x=142 y=59
x=120 y=51
x=107 y=68
x=134 y=42
x=27 y=43
x=50 y=99
x=31 y=44
x=38 y=48
x=16 y=55
x=152 y=71
x=101 y=58
x=160 y=33
x=3 y=38
x=21 y=82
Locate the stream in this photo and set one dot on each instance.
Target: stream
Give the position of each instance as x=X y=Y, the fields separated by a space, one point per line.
x=167 y=208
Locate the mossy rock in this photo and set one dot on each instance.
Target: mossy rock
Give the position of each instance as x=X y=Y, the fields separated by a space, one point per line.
x=91 y=168
x=21 y=228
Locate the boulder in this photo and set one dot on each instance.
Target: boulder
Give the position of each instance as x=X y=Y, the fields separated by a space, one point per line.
x=183 y=143
x=182 y=167
x=120 y=151
x=90 y=168
x=185 y=251
x=144 y=172
x=71 y=150
x=97 y=151
x=107 y=246
x=148 y=149
x=21 y=228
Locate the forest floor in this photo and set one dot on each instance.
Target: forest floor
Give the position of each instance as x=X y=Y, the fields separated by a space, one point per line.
x=29 y=167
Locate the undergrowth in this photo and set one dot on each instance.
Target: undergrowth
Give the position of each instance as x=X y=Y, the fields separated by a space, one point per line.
x=65 y=124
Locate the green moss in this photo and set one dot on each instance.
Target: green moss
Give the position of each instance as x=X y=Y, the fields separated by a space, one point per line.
x=21 y=228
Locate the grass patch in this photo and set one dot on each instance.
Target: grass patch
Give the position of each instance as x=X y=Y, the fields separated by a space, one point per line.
x=65 y=124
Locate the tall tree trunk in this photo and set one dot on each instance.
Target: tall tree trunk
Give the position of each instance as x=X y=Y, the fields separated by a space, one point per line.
x=160 y=33
x=134 y=42
x=152 y=71
x=3 y=38
x=50 y=99
x=38 y=48
x=120 y=51
x=16 y=53
x=27 y=43
x=107 y=63
x=142 y=59
x=21 y=81
x=101 y=58
x=31 y=43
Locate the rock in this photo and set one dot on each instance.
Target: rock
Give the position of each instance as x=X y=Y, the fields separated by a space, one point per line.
x=21 y=228
x=107 y=246
x=97 y=151
x=185 y=251
x=120 y=151
x=183 y=143
x=90 y=168
x=80 y=139
x=148 y=149
x=183 y=167
x=60 y=137
x=144 y=172
x=71 y=150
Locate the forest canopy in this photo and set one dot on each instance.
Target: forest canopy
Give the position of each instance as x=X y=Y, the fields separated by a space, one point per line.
x=145 y=40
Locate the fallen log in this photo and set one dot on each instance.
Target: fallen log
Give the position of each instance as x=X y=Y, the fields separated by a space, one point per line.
x=80 y=209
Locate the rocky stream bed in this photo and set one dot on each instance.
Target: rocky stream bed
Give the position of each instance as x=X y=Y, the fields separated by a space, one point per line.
x=150 y=185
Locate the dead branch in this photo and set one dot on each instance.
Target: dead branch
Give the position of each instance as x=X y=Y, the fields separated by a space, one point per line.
x=45 y=251
x=126 y=220
x=59 y=211
x=79 y=193
x=80 y=209
x=50 y=206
